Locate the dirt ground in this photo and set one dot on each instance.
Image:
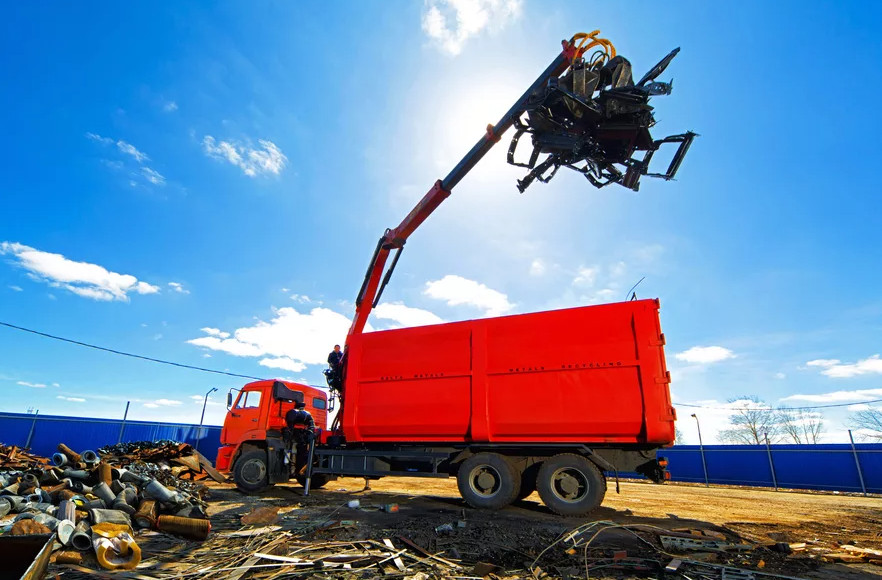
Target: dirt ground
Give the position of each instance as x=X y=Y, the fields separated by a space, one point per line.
x=514 y=536
x=516 y=540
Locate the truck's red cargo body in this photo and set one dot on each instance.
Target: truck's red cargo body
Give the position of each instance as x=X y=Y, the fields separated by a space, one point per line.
x=592 y=375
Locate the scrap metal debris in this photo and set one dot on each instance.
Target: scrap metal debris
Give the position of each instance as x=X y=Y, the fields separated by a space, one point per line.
x=92 y=502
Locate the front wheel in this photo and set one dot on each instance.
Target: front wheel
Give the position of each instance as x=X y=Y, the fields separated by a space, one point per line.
x=488 y=481
x=250 y=471
x=570 y=485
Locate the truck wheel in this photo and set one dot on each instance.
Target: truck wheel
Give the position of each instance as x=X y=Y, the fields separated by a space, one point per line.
x=318 y=480
x=528 y=481
x=250 y=471
x=488 y=481
x=570 y=485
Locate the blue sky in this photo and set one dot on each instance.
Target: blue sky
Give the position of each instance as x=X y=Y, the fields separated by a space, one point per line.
x=205 y=183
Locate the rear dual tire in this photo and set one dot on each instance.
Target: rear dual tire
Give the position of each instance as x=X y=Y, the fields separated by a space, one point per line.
x=570 y=485
x=488 y=481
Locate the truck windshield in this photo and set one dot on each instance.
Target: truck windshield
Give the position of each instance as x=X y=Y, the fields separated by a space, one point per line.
x=248 y=400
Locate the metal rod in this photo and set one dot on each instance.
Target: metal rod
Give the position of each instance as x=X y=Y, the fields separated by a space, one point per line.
x=701 y=448
x=309 y=459
x=31 y=433
x=122 y=426
x=857 y=463
x=771 y=464
x=202 y=418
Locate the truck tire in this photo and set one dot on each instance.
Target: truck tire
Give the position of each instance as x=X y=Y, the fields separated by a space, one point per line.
x=488 y=481
x=570 y=485
x=250 y=471
x=319 y=480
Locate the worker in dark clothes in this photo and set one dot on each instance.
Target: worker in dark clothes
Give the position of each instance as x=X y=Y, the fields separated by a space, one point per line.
x=335 y=361
x=301 y=429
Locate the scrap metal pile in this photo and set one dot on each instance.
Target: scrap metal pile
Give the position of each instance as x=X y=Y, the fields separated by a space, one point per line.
x=595 y=118
x=91 y=503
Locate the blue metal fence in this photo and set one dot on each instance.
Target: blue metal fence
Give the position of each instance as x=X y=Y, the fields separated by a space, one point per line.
x=822 y=466
x=79 y=433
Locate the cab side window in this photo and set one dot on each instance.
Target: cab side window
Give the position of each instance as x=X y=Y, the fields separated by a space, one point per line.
x=248 y=400
x=318 y=403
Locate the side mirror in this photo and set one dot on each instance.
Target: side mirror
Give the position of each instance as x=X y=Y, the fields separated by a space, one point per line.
x=229 y=399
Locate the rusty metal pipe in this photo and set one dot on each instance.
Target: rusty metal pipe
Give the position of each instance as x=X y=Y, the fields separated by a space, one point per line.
x=105 y=473
x=71 y=455
x=145 y=517
x=187 y=527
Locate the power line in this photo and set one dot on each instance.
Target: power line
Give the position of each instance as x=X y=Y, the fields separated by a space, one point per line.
x=119 y=352
x=782 y=408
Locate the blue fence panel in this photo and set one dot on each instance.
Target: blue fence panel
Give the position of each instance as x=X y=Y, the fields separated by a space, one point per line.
x=820 y=466
x=81 y=433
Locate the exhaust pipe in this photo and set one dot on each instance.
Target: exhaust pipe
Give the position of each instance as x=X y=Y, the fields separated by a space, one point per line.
x=30 y=480
x=81 y=539
x=59 y=459
x=126 y=501
x=90 y=458
x=157 y=491
x=102 y=491
x=145 y=517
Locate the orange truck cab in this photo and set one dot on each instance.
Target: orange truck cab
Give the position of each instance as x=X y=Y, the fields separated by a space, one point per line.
x=255 y=427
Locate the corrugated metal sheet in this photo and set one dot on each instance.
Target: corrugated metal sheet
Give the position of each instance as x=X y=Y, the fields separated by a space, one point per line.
x=81 y=433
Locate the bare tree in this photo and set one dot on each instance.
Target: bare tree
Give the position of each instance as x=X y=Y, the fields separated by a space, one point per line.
x=751 y=420
x=800 y=426
x=870 y=422
x=678 y=436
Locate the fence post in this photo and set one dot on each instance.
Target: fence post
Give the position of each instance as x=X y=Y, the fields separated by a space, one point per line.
x=771 y=464
x=122 y=427
x=31 y=433
x=857 y=464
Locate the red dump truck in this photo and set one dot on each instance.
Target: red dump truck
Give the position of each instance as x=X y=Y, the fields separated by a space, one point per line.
x=547 y=401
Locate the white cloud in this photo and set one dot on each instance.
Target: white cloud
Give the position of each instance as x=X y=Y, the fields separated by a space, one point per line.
x=71 y=399
x=32 y=385
x=705 y=354
x=178 y=287
x=836 y=369
x=823 y=362
x=405 y=315
x=130 y=149
x=15 y=288
x=450 y=23
x=537 y=267
x=215 y=332
x=299 y=298
x=585 y=276
x=153 y=176
x=302 y=338
x=55 y=385
x=838 y=396
x=81 y=278
x=147 y=173
x=284 y=363
x=456 y=291
x=162 y=403
x=268 y=159
x=780 y=376
x=170 y=107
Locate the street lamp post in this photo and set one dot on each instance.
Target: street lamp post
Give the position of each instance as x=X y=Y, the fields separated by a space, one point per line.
x=202 y=418
x=701 y=448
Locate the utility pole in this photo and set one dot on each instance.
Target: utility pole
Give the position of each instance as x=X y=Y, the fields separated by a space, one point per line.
x=202 y=418
x=701 y=448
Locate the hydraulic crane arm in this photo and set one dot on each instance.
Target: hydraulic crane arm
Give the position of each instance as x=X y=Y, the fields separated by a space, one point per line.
x=394 y=239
